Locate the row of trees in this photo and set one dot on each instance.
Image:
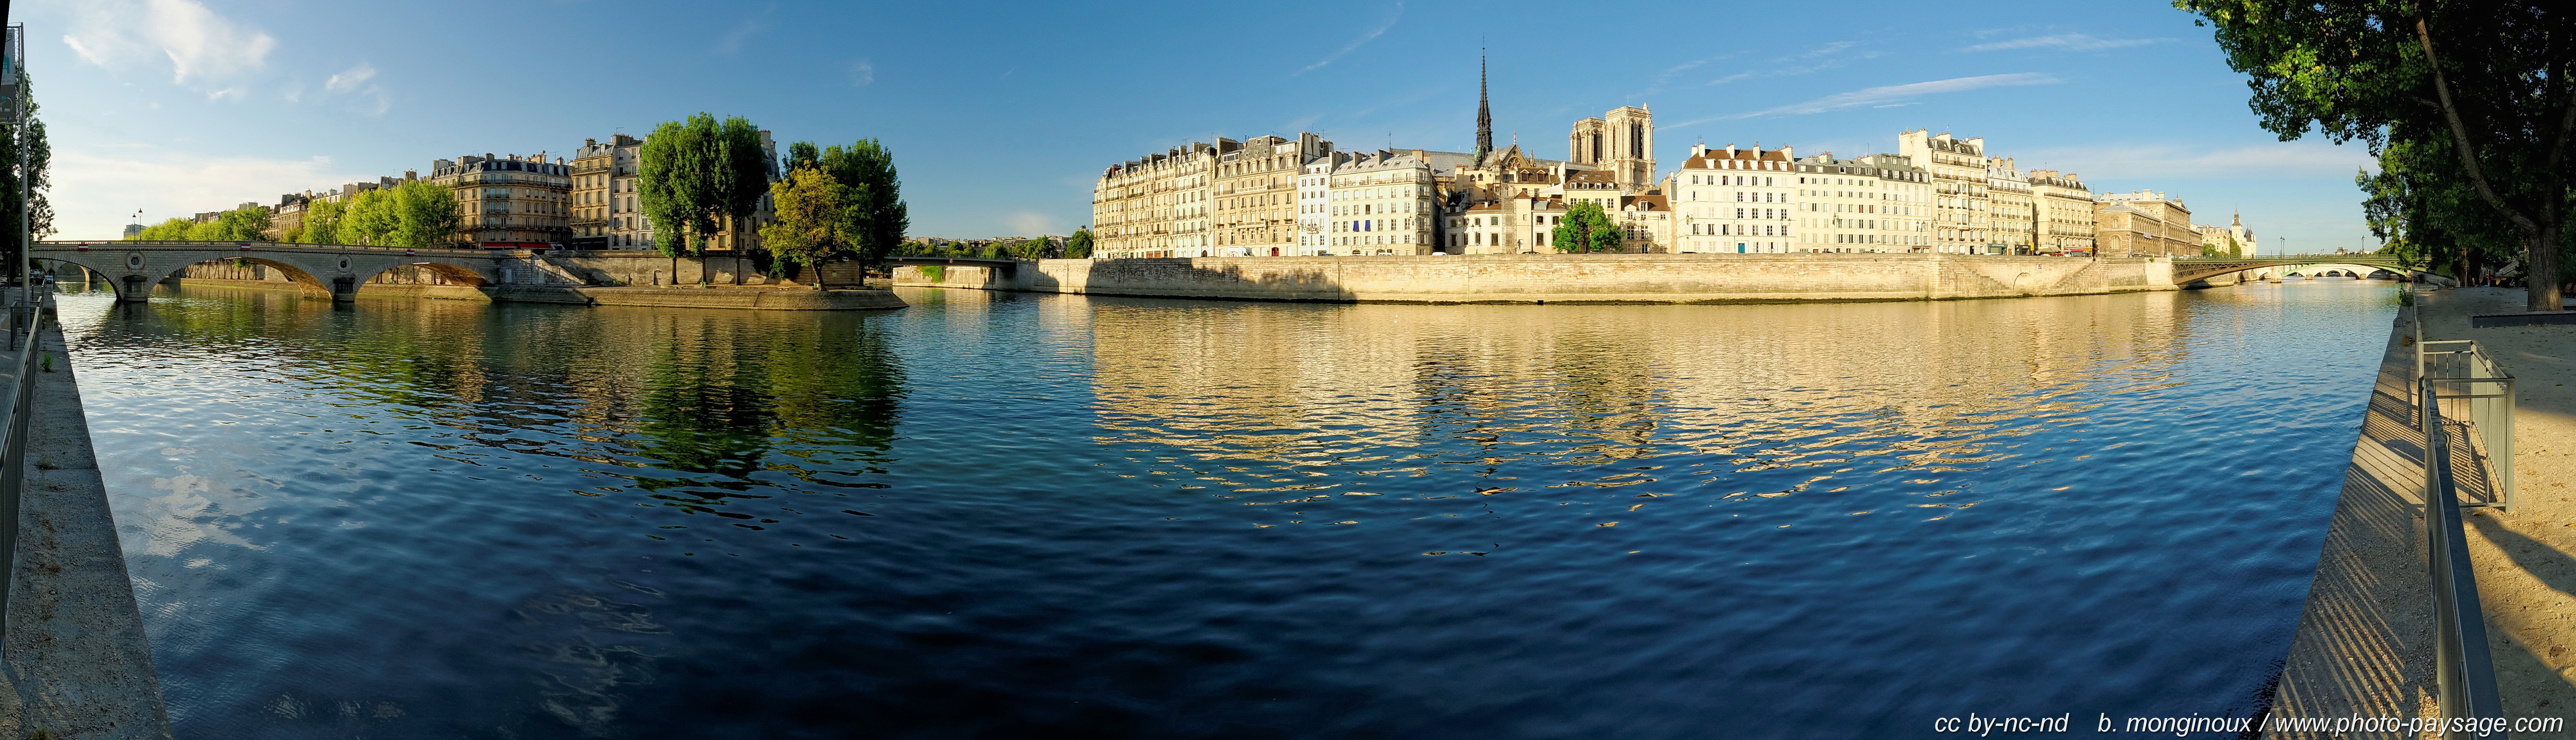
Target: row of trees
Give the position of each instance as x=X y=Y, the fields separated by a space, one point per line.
x=1043 y=247
x=416 y=215
x=2468 y=106
x=701 y=175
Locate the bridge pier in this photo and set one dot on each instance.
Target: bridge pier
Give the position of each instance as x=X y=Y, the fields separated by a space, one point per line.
x=344 y=289
x=133 y=289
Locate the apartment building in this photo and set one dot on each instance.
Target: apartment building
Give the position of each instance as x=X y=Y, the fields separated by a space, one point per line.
x=509 y=202
x=1860 y=205
x=1959 y=201
x=2012 y=221
x=1734 y=200
x=1386 y=203
x=1156 y=205
x=593 y=170
x=2064 y=209
x=1255 y=207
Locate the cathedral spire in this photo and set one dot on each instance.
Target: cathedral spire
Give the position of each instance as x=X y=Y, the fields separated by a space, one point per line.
x=1484 y=113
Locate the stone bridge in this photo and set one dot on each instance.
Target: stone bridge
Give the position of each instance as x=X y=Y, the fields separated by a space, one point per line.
x=1003 y=266
x=2187 y=271
x=333 y=270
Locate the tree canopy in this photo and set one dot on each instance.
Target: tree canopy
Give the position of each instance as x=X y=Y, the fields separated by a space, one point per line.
x=415 y=214
x=2485 y=81
x=867 y=168
x=1078 y=246
x=1586 y=228
x=816 y=218
x=695 y=171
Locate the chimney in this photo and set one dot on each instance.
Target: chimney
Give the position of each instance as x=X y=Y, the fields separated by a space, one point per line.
x=1730 y=151
x=1785 y=152
x=1699 y=149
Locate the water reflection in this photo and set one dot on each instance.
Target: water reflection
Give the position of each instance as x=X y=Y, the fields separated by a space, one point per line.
x=1011 y=515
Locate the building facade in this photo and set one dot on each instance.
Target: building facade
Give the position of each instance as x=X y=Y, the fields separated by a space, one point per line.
x=2065 y=213
x=2143 y=224
x=1859 y=205
x=2012 y=221
x=2232 y=240
x=509 y=202
x=593 y=171
x=1156 y=205
x=1255 y=209
x=1383 y=203
x=1620 y=142
x=1959 y=202
x=1735 y=200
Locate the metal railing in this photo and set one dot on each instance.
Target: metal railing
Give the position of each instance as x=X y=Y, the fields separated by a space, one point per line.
x=2464 y=672
x=17 y=411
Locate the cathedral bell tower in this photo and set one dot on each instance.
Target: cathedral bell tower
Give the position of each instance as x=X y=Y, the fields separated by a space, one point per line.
x=1484 y=115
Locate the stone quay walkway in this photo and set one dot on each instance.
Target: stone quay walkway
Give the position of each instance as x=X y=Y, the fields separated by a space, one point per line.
x=2364 y=645
x=75 y=661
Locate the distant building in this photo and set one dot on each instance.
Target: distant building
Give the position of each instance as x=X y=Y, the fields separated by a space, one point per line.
x=2143 y=223
x=133 y=230
x=1736 y=200
x=2064 y=209
x=1860 y=205
x=593 y=173
x=1959 y=202
x=2233 y=240
x=2012 y=220
x=509 y=202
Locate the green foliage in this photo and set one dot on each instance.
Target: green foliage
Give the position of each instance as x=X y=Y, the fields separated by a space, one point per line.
x=39 y=179
x=174 y=229
x=372 y=217
x=1078 y=246
x=867 y=167
x=1585 y=228
x=2483 y=85
x=322 y=222
x=697 y=170
x=414 y=214
x=815 y=218
x=1034 y=249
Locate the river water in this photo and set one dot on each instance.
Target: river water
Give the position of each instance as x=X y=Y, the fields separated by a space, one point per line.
x=1002 y=515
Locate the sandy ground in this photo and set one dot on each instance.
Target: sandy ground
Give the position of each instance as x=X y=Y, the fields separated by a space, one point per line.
x=2526 y=558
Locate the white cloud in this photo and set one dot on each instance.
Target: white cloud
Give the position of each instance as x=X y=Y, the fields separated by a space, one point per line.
x=1356 y=43
x=2067 y=41
x=863 y=74
x=350 y=80
x=1887 y=94
x=732 y=40
x=201 y=47
x=95 y=191
x=1728 y=78
x=2303 y=158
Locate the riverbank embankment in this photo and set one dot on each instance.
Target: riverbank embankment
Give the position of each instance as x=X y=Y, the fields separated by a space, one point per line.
x=1566 y=278
x=762 y=298
x=2364 y=644
x=77 y=661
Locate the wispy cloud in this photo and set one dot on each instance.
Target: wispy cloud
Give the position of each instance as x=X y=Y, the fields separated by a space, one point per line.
x=202 y=47
x=2306 y=158
x=1827 y=49
x=732 y=40
x=862 y=74
x=350 y=80
x=1028 y=224
x=1729 y=78
x=1372 y=35
x=2067 y=41
x=1888 y=94
x=359 y=83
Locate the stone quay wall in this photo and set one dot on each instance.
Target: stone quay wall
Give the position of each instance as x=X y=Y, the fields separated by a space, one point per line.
x=1605 y=278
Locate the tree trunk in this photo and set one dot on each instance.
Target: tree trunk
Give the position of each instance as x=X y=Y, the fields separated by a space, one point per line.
x=2540 y=269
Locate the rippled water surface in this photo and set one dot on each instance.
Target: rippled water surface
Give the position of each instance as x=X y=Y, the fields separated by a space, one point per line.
x=997 y=515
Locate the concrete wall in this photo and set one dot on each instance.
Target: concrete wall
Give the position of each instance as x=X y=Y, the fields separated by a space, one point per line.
x=1613 y=278
x=645 y=267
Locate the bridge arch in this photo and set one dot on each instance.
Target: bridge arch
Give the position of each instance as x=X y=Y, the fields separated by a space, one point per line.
x=331 y=270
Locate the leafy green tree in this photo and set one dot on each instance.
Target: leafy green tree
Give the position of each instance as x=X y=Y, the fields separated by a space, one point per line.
x=1078 y=246
x=371 y=218
x=1585 y=228
x=815 y=219
x=867 y=167
x=2488 y=81
x=245 y=224
x=694 y=172
x=1034 y=249
x=322 y=222
x=174 y=229
x=39 y=211
x=425 y=215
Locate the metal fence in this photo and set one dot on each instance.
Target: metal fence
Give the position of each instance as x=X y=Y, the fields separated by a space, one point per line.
x=2478 y=407
x=17 y=409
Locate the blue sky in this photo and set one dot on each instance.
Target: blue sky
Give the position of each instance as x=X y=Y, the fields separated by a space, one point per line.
x=1001 y=115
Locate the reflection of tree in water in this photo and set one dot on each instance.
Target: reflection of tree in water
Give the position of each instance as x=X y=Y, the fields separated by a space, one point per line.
x=823 y=392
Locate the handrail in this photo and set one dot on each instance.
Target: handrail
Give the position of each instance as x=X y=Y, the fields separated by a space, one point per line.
x=26 y=324
x=2464 y=671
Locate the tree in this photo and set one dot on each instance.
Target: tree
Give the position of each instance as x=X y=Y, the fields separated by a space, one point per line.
x=38 y=177
x=425 y=215
x=1585 y=228
x=815 y=218
x=867 y=167
x=2487 y=81
x=322 y=222
x=1078 y=246
x=696 y=171
x=371 y=218
x=1034 y=249
x=174 y=229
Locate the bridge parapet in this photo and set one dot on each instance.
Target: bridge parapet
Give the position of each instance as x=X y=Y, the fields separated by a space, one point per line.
x=335 y=270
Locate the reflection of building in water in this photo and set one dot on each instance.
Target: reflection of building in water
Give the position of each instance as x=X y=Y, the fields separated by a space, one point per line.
x=1766 y=385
